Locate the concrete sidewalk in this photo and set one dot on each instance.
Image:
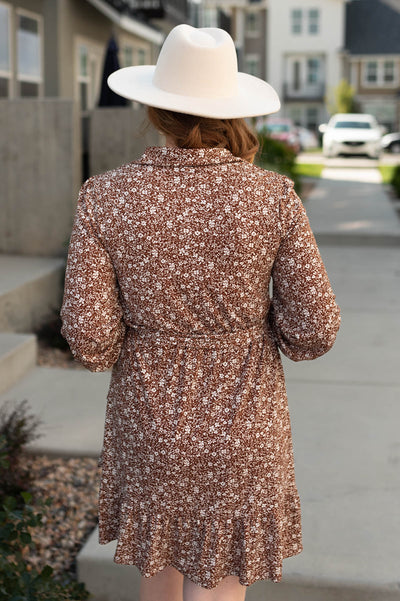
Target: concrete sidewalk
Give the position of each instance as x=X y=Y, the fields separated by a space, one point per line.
x=350 y=206
x=345 y=414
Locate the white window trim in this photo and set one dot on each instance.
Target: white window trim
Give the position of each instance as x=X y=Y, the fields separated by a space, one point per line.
x=317 y=20
x=9 y=74
x=253 y=56
x=380 y=83
x=305 y=86
x=96 y=48
x=31 y=79
x=292 y=11
x=250 y=33
x=131 y=47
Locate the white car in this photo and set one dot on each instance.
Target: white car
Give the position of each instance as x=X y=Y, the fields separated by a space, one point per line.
x=351 y=133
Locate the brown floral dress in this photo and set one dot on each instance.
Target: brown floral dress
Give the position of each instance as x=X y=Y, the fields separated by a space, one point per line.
x=167 y=282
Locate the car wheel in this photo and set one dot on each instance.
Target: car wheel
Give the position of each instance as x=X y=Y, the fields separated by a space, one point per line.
x=395 y=147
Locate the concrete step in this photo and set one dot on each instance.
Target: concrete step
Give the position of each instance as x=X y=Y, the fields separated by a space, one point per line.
x=30 y=288
x=71 y=404
x=17 y=357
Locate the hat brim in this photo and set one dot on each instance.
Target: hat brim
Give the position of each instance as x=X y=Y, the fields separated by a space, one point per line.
x=254 y=97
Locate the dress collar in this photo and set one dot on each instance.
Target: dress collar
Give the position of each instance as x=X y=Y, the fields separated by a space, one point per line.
x=172 y=156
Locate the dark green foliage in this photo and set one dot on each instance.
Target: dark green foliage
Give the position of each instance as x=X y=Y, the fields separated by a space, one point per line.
x=19 y=581
x=275 y=155
x=17 y=428
x=395 y=181
x=50 y=332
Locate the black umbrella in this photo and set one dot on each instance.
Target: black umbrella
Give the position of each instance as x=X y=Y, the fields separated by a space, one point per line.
x=111 y=64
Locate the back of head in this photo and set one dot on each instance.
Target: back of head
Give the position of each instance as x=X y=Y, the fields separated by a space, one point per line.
x=191 y=131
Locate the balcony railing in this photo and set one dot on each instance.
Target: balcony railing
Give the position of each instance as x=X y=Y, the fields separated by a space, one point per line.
x=306 y=92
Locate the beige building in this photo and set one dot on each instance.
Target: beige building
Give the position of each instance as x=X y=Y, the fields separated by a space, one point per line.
x=57 y=47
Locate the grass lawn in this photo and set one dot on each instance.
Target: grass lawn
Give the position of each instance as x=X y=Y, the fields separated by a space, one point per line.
x=308 y=169
x=387 y=172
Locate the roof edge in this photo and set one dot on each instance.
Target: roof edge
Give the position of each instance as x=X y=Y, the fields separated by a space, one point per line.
x=128 y=24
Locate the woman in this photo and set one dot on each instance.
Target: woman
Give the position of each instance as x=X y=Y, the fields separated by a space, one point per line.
x=167 y=282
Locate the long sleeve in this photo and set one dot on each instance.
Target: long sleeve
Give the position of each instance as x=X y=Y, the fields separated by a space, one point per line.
x=92 y=317
x=304 y=316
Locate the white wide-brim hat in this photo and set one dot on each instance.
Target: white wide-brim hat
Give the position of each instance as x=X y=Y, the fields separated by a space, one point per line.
x=197 y=73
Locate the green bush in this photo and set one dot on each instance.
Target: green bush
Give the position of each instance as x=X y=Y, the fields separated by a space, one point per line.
x=17 y=428
x=275 y=155
x=395 y=181
x=50 y=332
x=19 y=581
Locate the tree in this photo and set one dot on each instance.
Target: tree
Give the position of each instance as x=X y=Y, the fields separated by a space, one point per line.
x=343 y=99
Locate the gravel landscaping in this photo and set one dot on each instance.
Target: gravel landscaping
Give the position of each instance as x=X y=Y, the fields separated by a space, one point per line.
x=72 y=483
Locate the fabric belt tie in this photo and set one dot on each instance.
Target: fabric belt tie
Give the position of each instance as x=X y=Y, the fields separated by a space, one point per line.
x=239 y=334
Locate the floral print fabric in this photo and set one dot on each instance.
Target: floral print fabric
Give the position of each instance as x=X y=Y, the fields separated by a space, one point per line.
x=167 y=282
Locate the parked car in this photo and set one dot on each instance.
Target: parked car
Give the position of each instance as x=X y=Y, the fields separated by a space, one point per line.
x=391 y=142
x=351 y=133
x=281 y=129
x=308 y=139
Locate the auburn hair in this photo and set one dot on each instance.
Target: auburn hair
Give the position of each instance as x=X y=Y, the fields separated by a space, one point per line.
x=191 y=131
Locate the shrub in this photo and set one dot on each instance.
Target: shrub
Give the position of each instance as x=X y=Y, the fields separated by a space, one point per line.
x=18 y=580
x=395 y=181
x=50 y=332
x=17 y=428
x=278 y=156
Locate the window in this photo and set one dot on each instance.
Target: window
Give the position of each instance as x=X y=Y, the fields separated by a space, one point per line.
x=209 y=17
x=372 y=72
x=313 y=71
x=141 y=56
x=127 y=56
x=312 y=118
x=381 y=72
x=29 y=55
x=89 y=61
x=252 y=25
x=296 y=75
x=313 y=21
x=5 y=55
x=253 y=64
x=296 y=18
x=388 y=72
x=295 y=114
x=83 y=77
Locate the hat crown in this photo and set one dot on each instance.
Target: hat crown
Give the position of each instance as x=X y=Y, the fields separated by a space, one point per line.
x=197 y=62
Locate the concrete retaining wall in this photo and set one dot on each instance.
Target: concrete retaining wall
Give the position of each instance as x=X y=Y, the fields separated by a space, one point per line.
x=40 y=174
x=116 y=137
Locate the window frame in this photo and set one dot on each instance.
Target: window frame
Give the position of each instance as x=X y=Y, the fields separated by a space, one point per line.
x=313 y=21
x=255 y=32
x=300 y=13
x=130 y=49
x=9 y=75
x=253 y=57
x=380 y=72
x=385 y=63
x=313 y=71
x=22 y=12
x=95 y=52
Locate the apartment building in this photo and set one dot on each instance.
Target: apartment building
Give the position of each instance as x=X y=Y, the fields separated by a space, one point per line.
x=305 y=55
